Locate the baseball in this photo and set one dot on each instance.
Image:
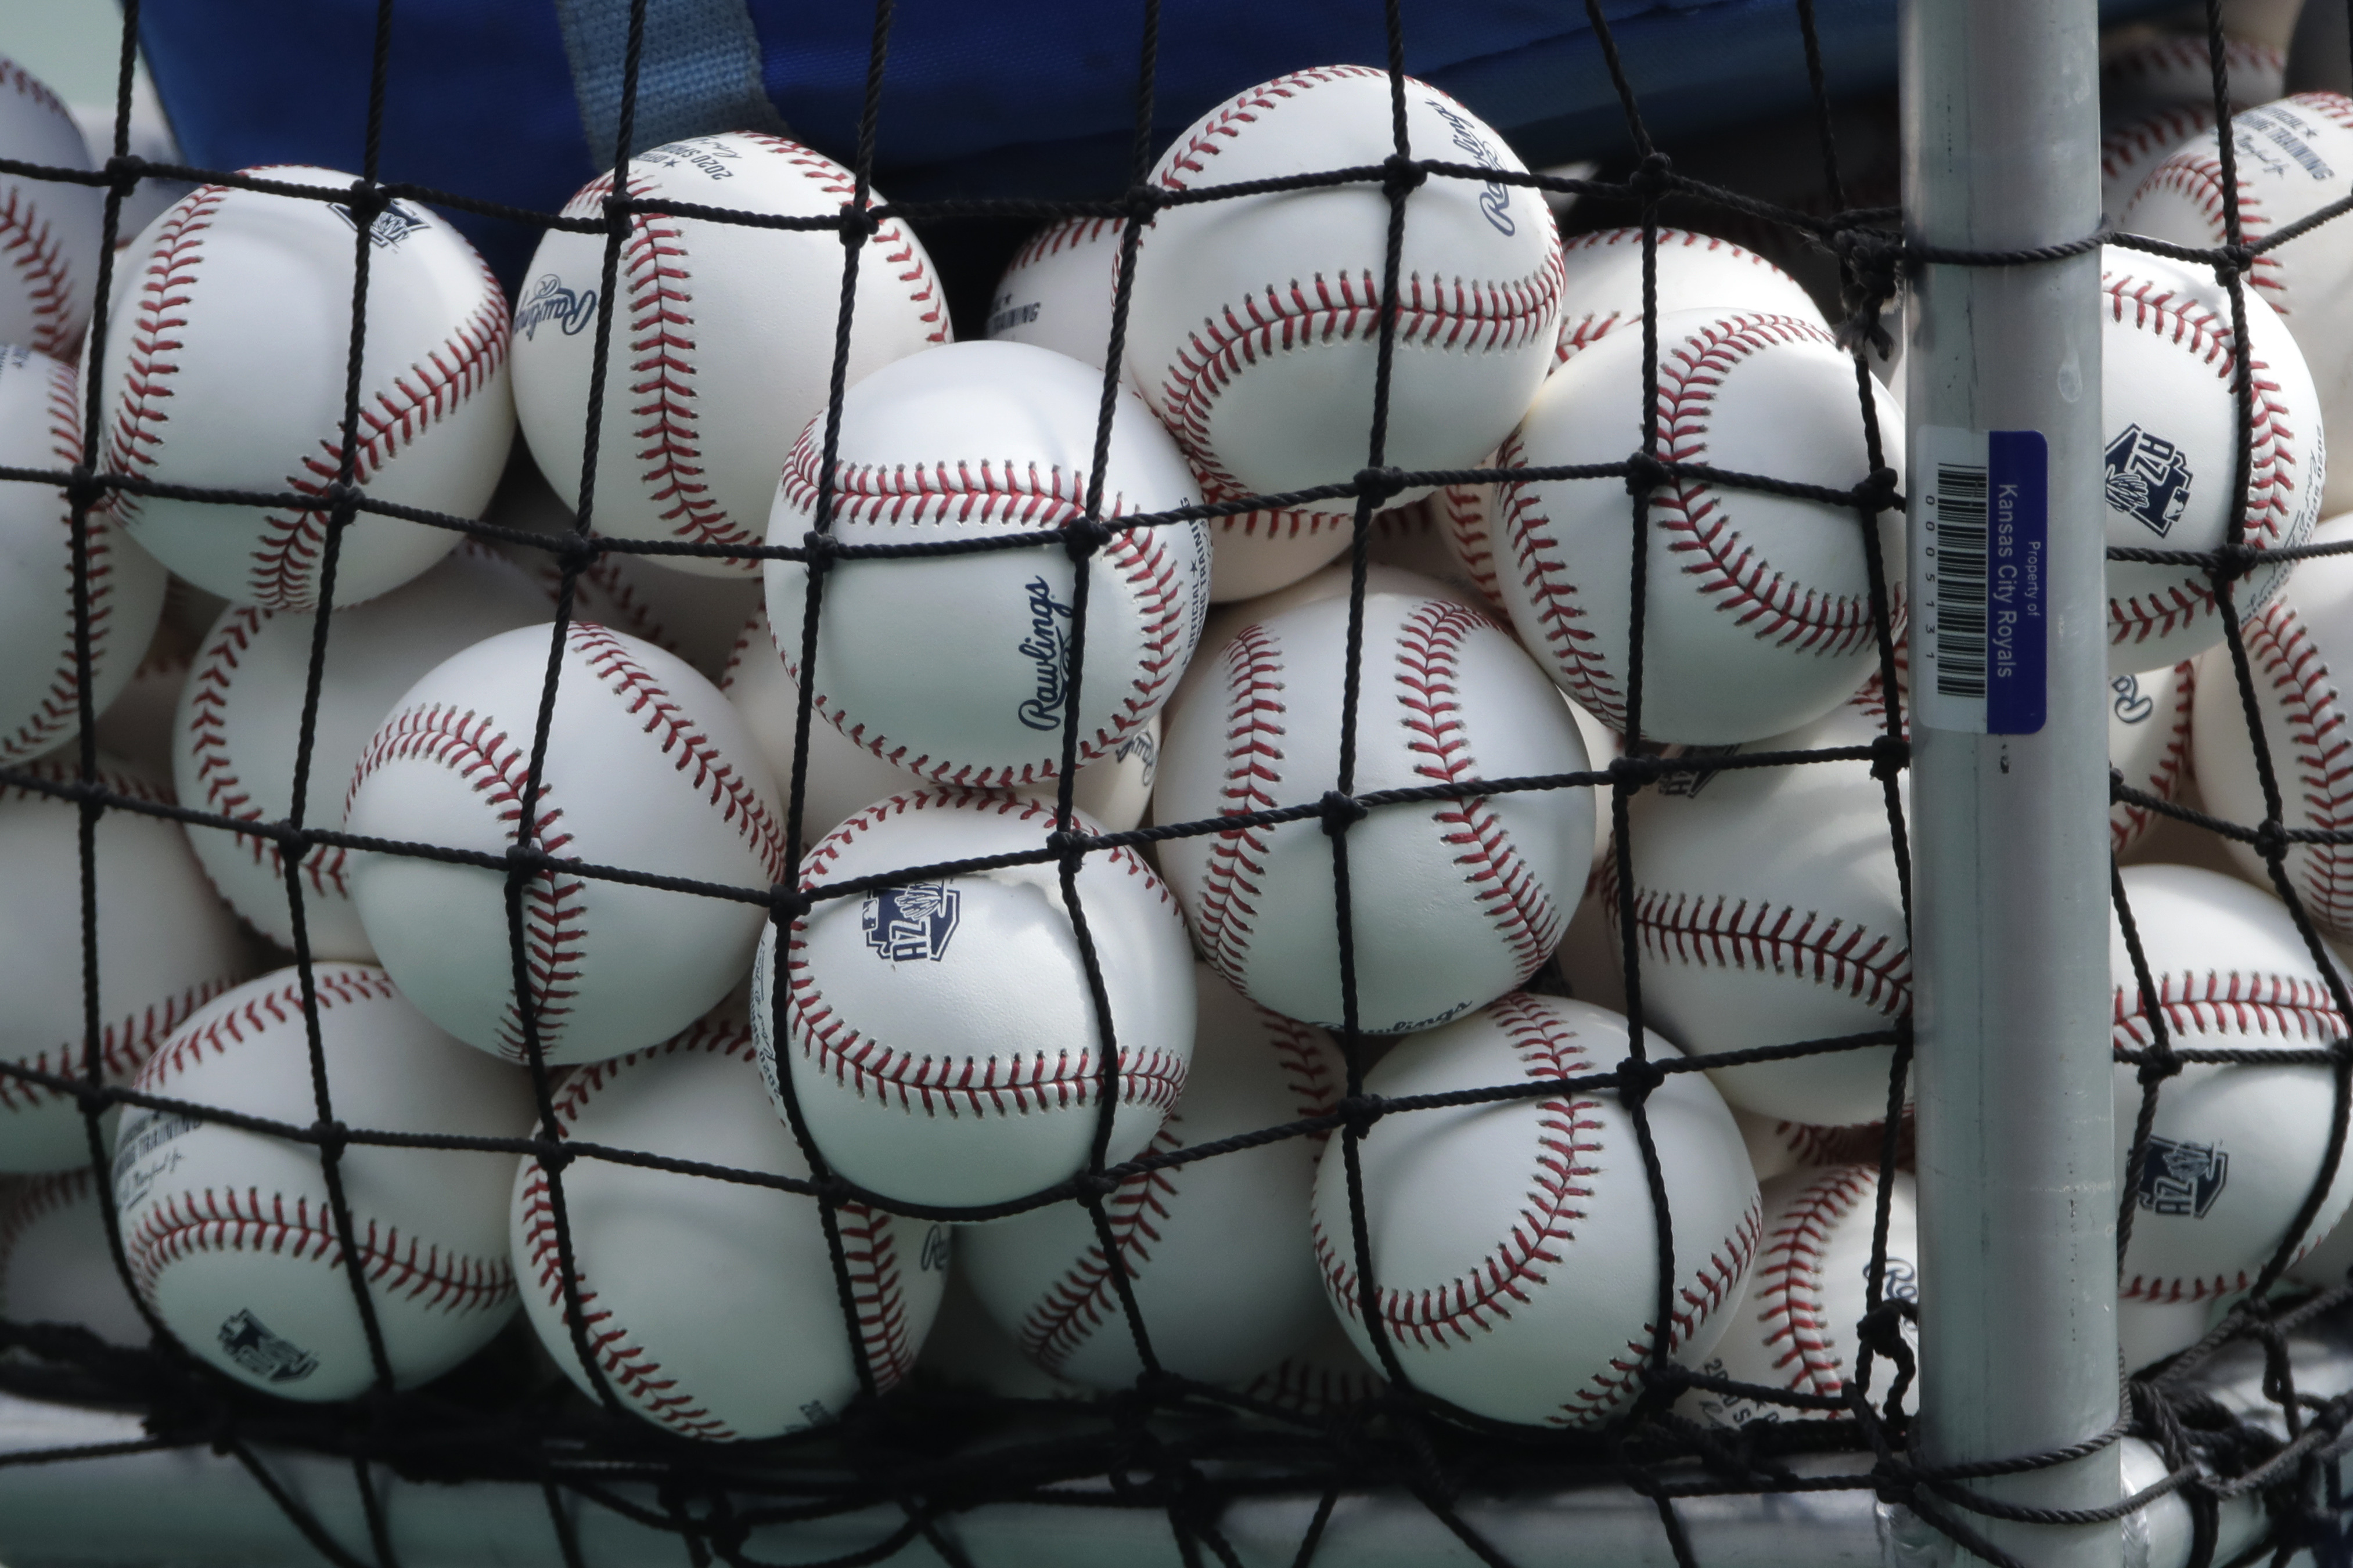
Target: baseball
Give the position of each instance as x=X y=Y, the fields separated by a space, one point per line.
x=957 y=667
x=40 y=427
x=1057 y=291
x=1760 y=615
x=55 y=1265
x=1115 y=789
x=2236 y=1146
x=2150 y=742
x=941 y=1035
x=646 y=768
x=50 y=230
x=1454 y=901
x=1254 y=321
x=1601 y=284
x=2132 y=152
x=1225 y=621
x=721 y=343
x=228 y=1233
x=2180 y=69
x=1777 y=1147
x=2170 y=421
x=1794 y=1330
x=1768 y=911
x=763 y=1349
x=239 y=719
x=1514 y=1249
x=227 y=368
x=1256 y=552
x=1215 y=1253
x=2300 y=655
x=166 y=946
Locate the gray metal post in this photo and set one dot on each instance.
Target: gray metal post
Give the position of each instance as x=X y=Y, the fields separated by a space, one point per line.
x=2017 y=1187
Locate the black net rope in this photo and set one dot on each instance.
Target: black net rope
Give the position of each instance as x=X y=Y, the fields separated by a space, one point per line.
x=1171 y=1445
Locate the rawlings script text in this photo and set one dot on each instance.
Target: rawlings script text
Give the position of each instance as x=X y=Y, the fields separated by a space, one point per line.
x=1048 y=645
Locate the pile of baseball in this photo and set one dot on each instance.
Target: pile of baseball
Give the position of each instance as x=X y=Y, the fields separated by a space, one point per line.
x=937 y=1037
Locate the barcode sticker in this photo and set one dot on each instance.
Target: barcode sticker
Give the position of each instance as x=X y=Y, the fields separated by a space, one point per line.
x=1981 y=523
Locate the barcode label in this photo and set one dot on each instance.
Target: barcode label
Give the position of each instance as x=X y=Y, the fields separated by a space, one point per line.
x=1980 y=524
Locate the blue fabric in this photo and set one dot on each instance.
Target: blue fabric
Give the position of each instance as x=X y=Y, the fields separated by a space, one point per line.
x=982 y=97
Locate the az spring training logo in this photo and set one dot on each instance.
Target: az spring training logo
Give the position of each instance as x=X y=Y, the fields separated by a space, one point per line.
x=547 y=299
x=2182 y=1179
x=2149 y=477
x=907 y=925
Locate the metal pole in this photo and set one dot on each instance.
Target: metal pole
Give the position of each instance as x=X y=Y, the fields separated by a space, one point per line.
x=2017 y=1331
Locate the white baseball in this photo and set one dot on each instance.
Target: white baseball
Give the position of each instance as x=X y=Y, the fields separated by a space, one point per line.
x=50 y=230
x=2150 y=742
x=225 y=367
x=2131 y=153
x=1460 y=514
x=956 y=666
x=1514 y=1245
x=2236 y=1147
x=240 y=714
x=54 y=1264
x=229 y=1234
x=1455 y=902
x=1115 y=789
x=1217 y=1253
x=2300 y=655
x=1254 y=324
x=1768 y=911
x=1794 y=1330
x=1324 y=1377
x=721 y=343
x=1226 y=621
x=40 y=427
x=166 y=946
x=1777 y=1147
x=647 y=769
x=1759 y=612
x=768 y=1352
x=2292 y=156
x=1602 y=283
x=2180 y=69
x=942 y=1038
x=1057 y=292
x=1257 y=552
x=2171 y=426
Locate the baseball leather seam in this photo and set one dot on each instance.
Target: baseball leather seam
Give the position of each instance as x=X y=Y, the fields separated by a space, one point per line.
x=2161 y=131
x=2195 y=1002
x=1085 y=1296
x=554 y=903
x=123 y=1046
x=1715 y=930
x=30 y=245
x=1553 y=596
x=2129 y=819
x=943 y=1085
x=1227 y=915
x=60 y=714
x=1507 y=889
x=225 y=791
x=37 y=1201
x=2273 y=476
x=1068 y=235
x=186 y=1224
x=2166 y=57
x=165 y=287
x=1580 y=332
x=2306 y=689
x=1027 y=497
x=1462 y=513
x=1790 y=1308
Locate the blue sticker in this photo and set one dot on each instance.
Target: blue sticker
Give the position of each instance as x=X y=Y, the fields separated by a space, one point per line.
x=2018 y=466
x=1983 y=625
x=909 y=924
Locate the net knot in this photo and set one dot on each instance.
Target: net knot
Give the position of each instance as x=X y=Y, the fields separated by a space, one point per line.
x=818 y=550
x=1083 y=538
x=1357 y=1112
x=1636 y=770
x=333 y=1138
x=1645 y=473
x=1142 y=202
x=1637 y=1077
x=2271 y=840
x=368 y=203
x=1093 y=1186
x=787 y=904
x=2233 y=561
x=1377 y=485
x=575 y=551
x=1341 y=812
x=83 y=489
x=1069 y=842
x=124 y=171
x=2157 y=1066
x=1400 y=175
x=2233 y=262
x=1890 y=755
x=1651 y=179
x=859 y=225
x=1878 y=491
x=342 y=500
x=1869 y=259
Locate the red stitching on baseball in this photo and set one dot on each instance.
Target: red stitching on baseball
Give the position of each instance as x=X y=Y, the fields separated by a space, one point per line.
x=1554 y=597
x=1712 y=930
x=30 y=246
x=1226 y=914
x=915 y=1080
x=1798 y=1334
x=224 y=791
x=1085 y=1297
x=1516 y=903
x=2198 y=1003
x=37 y=1201
x=869 y=1248
x=997 y=494
x=1068 y=235
x=1460 y=511
x=2281 y=646
x=59 y=713
x=223 y=1220
x=1583 y=332
x=2160 y=131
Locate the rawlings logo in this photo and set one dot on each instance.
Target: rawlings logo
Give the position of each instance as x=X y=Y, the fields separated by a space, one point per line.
x=2132 y=706
x=391 y=226
x=247 y=1342
x=1900 y=1283
x=2149 y=477
x=547 y=299
x=935 y=1255
x=908 y=924
x=1494 y=197
x=2182 y=1179
x=1048 y=645
x=1139 y=745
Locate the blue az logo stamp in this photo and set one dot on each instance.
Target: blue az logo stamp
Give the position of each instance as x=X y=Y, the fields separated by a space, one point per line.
x=909 y=924
x=2182 y=1179
x=2148 y=478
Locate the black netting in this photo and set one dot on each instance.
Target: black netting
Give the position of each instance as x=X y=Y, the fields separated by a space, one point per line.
x=1171 y=1444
